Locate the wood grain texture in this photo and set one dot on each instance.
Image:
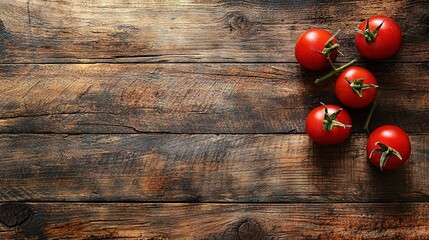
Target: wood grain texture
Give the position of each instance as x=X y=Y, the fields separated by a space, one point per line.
x=202 y=168
x=223 y=221
x=41 y=31
x=193 y=98
x=106 y=165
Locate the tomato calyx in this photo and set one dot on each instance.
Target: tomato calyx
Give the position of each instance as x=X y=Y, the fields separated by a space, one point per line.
x=327 y=50
x=386 y=152
x=330 y=46
x=329 y=121
x=358 y=86
x=368 y=34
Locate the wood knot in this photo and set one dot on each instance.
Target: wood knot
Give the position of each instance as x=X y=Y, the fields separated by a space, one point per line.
x=3 y=33
x=249 y=229
x=237 y=22
x=14 y=214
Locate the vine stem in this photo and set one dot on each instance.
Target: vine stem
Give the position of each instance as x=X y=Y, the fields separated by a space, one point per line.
x=368 y=119
x=335 y=70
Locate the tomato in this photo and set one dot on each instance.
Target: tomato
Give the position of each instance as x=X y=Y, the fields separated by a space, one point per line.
x=312 y=49
x=356 y=87
x=381 y=43
x=328 y=124
x=388 y=147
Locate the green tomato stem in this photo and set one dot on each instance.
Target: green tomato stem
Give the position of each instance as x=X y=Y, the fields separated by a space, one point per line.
x=368 y=119
x=385 y=151
x=329 y=121
x=335 y=70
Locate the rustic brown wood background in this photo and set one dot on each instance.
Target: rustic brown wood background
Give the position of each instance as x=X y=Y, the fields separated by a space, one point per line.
x=126 y=119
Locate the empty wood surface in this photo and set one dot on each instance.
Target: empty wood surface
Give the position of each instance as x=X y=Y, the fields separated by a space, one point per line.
x=40 y=31
x=216 y=221
x=190 y=98
x=203 y=168
x=125 y=119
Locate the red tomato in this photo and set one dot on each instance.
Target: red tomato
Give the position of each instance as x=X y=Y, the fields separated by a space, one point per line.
x=381 y=43
x=309 y=48
x=392 y=143
x=328 y=124
x=356 y=87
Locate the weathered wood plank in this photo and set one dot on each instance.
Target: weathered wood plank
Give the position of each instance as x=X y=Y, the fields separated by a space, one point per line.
x=220 y=221
x=40 y=31
x=190 y=98
x=202 y=168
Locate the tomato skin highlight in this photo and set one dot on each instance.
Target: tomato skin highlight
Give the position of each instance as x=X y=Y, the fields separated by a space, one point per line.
x=393 y=137
x=308 y=45
x=314 y=126
x=345 y=93
x=386 y=43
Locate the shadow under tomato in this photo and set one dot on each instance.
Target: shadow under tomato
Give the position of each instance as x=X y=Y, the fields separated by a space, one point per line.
x=327 y=157
x=331 y=169
x=390 y=185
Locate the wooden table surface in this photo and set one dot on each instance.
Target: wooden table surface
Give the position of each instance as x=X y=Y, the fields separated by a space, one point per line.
x=128 y=119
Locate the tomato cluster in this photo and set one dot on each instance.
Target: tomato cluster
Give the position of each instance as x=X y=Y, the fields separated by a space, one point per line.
x=379 y=37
